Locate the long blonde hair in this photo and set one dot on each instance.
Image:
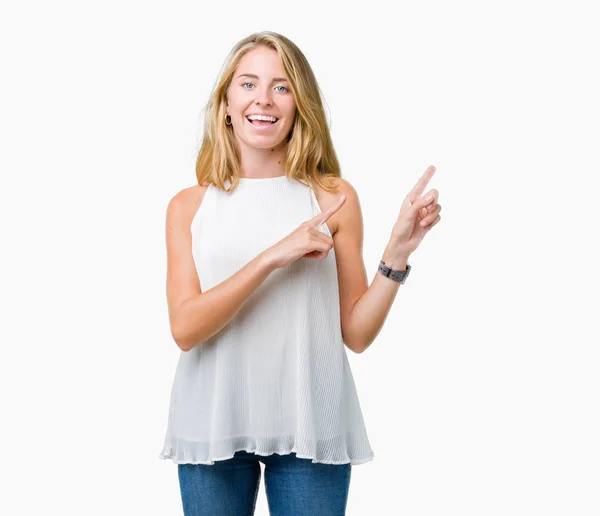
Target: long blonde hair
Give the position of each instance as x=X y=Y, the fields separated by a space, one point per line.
x=310 y=155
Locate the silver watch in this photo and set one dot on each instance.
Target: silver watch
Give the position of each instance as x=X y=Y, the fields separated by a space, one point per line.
x=396 y=275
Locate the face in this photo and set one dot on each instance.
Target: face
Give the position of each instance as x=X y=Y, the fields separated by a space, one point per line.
x=259 y=87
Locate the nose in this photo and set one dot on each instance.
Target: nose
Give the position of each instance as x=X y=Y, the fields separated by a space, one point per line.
x=263 y=96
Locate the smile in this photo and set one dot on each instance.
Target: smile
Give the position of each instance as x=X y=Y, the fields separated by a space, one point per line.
x=262 y=124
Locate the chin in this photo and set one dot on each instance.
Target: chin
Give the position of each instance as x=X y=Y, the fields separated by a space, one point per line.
x=264 y=143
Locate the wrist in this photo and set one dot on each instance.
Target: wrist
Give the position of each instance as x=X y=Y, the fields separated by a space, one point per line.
x=396 y=260
x=266 y=262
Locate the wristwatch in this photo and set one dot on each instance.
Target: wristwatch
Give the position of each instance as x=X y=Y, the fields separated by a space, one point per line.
x=388 y=272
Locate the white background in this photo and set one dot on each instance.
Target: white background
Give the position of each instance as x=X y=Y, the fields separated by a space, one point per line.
x=481 y=393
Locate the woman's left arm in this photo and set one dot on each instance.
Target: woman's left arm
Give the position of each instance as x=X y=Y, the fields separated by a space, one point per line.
x=363 y=308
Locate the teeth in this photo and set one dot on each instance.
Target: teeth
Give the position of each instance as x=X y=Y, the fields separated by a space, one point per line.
x=261 y=117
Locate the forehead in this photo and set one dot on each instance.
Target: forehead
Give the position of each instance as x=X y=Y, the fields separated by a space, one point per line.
x=262 y=61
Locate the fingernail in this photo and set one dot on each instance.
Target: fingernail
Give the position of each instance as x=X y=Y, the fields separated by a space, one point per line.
x=430 y=207
x=423 y=223
x=429 y=197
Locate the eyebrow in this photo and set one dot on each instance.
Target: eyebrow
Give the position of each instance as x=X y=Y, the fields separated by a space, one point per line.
x=275 y=79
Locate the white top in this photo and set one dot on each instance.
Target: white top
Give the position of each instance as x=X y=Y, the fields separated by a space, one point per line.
x=276 y=378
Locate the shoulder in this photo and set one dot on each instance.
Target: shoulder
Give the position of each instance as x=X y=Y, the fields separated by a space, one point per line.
x=348 y=212
x=184 y=204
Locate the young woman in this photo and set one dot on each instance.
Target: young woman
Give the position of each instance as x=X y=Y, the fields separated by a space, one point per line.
x=266 y=287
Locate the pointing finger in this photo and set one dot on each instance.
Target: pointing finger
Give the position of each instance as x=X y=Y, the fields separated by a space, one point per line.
x=323 y=217
x=422 y=182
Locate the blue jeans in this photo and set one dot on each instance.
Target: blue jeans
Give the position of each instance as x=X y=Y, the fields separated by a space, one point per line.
x=294 y=487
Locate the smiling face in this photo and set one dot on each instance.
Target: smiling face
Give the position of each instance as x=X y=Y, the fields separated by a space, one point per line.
x=259 y=87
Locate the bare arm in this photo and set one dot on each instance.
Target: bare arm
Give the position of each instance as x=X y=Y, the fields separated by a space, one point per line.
x=189 y=307
x=364 y=308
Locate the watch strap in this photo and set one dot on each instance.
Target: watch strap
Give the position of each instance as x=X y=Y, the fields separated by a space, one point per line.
x=396 y=275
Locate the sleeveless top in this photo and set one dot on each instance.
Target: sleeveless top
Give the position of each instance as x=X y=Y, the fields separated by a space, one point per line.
x=276 y=378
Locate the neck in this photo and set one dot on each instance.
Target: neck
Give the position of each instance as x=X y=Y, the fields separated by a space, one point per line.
x=267 y=162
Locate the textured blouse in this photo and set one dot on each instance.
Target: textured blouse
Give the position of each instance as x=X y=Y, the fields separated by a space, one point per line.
x=276 y=378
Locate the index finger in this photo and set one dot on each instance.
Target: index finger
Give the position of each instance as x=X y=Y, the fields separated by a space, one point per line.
x=422 y=182
x=323 y=217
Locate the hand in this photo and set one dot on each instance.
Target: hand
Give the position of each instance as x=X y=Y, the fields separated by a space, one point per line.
x=305 y=241
x=418 y=214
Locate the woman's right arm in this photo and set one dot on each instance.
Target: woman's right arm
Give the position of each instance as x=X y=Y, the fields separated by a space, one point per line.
x=195 y=316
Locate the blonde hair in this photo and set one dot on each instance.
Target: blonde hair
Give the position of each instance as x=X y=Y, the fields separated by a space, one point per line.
x=310 y=155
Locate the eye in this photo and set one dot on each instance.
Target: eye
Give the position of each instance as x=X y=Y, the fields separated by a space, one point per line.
x=283 y=88
x=244 y=83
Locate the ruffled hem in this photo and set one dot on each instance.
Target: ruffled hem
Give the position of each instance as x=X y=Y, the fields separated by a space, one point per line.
x=333 y=451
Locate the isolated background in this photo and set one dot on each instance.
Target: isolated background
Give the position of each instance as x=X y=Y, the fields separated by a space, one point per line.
x=480 y=394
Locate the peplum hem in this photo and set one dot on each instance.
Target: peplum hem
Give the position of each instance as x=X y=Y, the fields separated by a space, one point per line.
x=338 y=450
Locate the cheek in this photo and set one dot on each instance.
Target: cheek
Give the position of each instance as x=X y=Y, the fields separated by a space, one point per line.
x=234 y=100
x=234 y=106
x=290 y=114
x=290 y=122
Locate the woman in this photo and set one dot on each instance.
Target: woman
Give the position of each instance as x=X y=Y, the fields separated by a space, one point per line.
x=266 y=287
